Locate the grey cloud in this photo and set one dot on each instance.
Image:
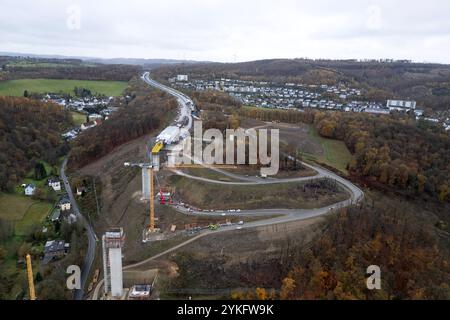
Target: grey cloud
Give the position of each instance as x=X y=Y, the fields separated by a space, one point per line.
x=222 y=29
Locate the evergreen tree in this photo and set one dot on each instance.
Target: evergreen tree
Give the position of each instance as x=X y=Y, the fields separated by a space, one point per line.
x=39 y=171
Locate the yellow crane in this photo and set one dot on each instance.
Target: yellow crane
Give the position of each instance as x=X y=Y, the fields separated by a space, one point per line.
x=30 y=278
x=150 y=167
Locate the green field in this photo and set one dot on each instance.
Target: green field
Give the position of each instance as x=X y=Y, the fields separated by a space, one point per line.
x=78 y=118
x=17 y=87
x=24 y=211
x=34 y=216
x=14 y=206
x=335 y=152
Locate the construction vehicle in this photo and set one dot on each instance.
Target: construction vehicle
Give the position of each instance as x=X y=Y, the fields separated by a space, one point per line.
x=165 y=195
x=30 y=278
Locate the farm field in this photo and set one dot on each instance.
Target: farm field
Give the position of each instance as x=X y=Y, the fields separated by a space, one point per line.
x=34 y=216
x=17 y=87
x=23 y=211
x=335 y=153
x=14 y=206
x=78 y=118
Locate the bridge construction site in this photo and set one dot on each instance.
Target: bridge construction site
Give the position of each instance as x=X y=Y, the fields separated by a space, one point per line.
x=169 y=136
x=153 y=189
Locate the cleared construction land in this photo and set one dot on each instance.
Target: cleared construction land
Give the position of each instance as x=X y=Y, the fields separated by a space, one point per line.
x=215 y=266
x=304 y=195
x=121 y=206
x=306 y=140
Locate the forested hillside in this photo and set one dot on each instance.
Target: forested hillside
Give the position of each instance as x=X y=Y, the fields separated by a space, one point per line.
x=389 y=152
x=393 y=152
x=412 y=255
x=21 y=68
x=429 y=84
x=147 y=111
x=398 y=153
x=30 y=131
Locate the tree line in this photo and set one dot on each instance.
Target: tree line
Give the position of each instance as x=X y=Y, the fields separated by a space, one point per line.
x=30 y=131
x=143 y=114
x=395 y=152
x=412 y=256
x=114 y=72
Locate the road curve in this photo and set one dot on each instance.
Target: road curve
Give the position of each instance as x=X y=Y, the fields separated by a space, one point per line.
x=92 y=238
x=286 y=215
x=356 y=194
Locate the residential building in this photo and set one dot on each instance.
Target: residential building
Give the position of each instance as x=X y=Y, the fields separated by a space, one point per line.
x=401 y=105
x=95 y=116
x=30 y=189
x=65 y=204
x=55 y=249
x=377 y=111
x=182 y=77
x=80 y=191
x=55 y=184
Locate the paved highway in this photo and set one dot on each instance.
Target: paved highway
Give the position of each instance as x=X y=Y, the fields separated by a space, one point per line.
x=286 y=215
x=183 y=100
x=92 y=238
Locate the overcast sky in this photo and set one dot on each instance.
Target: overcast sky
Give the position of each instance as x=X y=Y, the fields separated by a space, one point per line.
x=228 y=30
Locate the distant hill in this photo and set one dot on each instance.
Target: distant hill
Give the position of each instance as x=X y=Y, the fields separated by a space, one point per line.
x=141 y=62
x=21 y=67
x=427 y=83
x=128 y=61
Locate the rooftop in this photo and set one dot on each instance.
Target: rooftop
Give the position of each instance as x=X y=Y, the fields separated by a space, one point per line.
x=55 y=246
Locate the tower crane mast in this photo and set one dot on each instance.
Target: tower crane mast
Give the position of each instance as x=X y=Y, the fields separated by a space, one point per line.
x=30 y=278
